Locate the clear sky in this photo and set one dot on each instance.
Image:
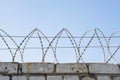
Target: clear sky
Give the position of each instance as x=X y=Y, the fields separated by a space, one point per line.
x=19 y=17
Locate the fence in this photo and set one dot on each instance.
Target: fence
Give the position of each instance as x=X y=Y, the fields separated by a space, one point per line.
x=80 y=44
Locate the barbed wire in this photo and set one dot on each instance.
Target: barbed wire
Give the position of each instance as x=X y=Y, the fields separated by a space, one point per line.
x=96 y=33
x=61 y=36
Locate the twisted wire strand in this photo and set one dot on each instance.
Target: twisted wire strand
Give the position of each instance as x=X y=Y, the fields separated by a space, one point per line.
x=28 y=37
x=41 y=43
x=6 y=45
x=55 y=57
x=86 y=47
x=73 y=47
x=25 y=44
x=112 y=54
x=69 y=35
x=22 y=43
x=101 y=44
x=103 y=36
x=50 y=44
x=55 y=48
x=13 y=55
x=79 y=45
x=107 y=44
x=74 y=44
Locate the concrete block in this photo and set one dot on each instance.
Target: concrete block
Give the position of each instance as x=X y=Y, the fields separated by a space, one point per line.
x=71 y=68
x=37 y=78
x=8 y=68
x=103 y=78
x=37 y=68
x=117 y=78
x=19 y=78
x=54 y=77
x=88 y=78
x=4 y=78
x=71 y=78
x=103 y=68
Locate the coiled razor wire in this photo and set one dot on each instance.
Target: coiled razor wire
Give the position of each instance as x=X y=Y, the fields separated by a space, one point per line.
x=13 y=55
x=112 y=54
x=77 y=47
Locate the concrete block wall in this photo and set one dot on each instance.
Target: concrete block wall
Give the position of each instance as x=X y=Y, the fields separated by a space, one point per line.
x=60 y=71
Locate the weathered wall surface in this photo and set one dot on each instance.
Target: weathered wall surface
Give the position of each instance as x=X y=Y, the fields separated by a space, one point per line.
x=60 y=71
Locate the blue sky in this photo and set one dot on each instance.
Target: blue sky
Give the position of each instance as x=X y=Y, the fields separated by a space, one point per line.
x=19 y=17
